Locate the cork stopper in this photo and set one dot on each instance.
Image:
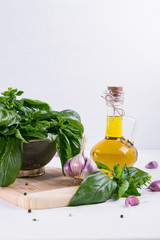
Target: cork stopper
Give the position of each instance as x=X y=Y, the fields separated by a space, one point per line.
x=115 y=89
x=116 y=93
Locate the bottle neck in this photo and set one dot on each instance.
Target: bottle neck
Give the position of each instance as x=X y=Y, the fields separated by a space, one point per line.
x=114 y=124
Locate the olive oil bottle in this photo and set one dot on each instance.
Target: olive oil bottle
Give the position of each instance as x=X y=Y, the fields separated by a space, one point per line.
x=114 y=148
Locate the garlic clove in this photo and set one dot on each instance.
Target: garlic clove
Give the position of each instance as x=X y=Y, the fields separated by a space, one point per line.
x=152 y=165
x=90 y=167
x=67 y=169
x=56 y=154
x=131 y=201
x=77 y=164
x=155 y=186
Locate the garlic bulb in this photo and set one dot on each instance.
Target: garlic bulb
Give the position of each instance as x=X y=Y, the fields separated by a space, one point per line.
x=80 y=166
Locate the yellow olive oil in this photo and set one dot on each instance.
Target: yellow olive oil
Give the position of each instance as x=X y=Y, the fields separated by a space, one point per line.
x=114 y=148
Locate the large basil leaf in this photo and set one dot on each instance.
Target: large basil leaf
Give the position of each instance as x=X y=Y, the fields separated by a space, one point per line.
x=68 y=113
x=36 y=104
x=63 y=147
x=8 y=117
x=10 y=159
x=97 y=187
x=75 y=126
x=74 y=141
x=69 y=139
x=46 y=115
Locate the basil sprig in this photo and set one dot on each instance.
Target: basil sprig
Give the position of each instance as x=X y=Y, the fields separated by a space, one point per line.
x=26 y=119
x=98 y=187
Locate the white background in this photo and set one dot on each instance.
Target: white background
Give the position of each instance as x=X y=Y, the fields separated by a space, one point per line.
x=66 y=52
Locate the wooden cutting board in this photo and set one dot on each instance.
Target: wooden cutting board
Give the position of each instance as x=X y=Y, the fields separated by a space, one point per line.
x=50 y=190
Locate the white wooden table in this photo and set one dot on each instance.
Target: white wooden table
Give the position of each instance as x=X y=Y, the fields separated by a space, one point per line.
x=99 y=221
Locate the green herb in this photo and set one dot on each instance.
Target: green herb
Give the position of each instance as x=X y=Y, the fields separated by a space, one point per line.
x=10 y=159
x=98 y=187
x=26 y=119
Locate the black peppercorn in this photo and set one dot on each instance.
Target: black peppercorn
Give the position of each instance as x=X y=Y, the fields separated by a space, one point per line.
x=29 y=211
x=25 y=193
x=26 y=183
x=121 y=216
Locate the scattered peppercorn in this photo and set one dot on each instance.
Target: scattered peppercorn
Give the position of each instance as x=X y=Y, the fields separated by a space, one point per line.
x=121 y=216
x=70 y=215
x=34 y=219
x=29 y=211
x=25 y=193
x=26 y=183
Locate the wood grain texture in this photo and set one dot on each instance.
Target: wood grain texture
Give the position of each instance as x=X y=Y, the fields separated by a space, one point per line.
x=48 y=191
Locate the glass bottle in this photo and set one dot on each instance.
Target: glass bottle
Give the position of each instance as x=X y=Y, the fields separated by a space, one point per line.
x=114 y=148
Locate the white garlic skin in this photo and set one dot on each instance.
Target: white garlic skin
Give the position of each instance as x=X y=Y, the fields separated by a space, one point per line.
x=89 y=167
x=79 y=167
x=77 y=164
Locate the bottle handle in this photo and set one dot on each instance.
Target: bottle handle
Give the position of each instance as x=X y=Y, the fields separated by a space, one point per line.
x=133 y=120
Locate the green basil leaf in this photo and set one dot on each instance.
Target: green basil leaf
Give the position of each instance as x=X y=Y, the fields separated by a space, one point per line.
x=51 y=137
x=74 y=141
x=19 y=93
x=8 y=117
x=39 y=130
x=19 y=136
x=122 y=188
x=8 y=130
x=3 y=99
x=97 y=187
x=75 y=127
x=103 y=166
x=11 y=93
x=63 y=147
x=68 y=113
x=117 y=171
x=10 y=159
x=46 y=115
x=70 y=135
x=138 y=176
x=53 y=123
x=36 y=104
x=125 y=172
x=132 y=190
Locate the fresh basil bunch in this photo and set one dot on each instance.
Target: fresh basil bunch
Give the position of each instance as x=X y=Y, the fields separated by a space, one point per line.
x=26 y=119
x=98 y=187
